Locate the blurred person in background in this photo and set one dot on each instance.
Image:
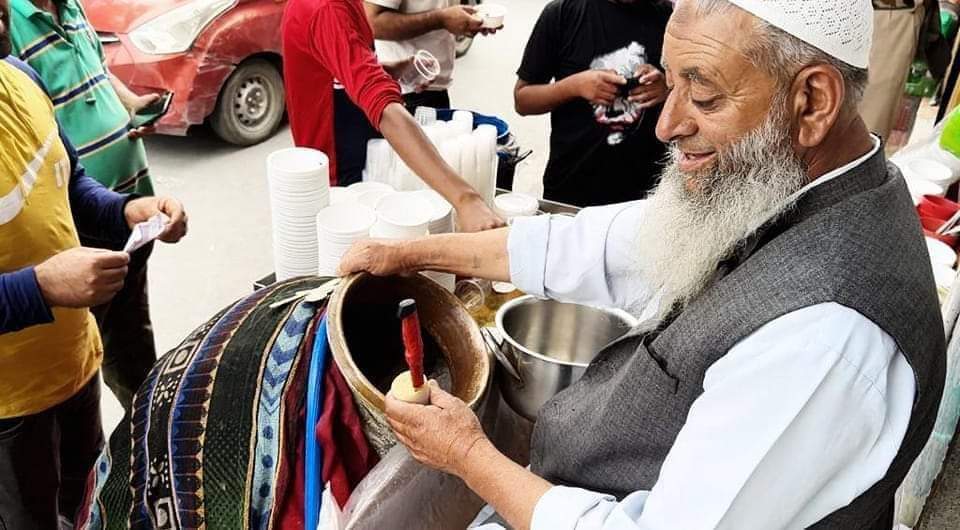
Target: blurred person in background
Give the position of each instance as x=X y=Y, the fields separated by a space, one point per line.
x=94 y=109
x=555 y=76
x=903 y=30
x=328 y=43
x=402 y=27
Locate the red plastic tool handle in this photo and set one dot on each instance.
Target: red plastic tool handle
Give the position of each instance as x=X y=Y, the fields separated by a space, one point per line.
x=412 y=341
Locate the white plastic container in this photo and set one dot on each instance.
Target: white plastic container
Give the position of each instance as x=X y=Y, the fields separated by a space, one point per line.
x=511 y=205
x=492 y=15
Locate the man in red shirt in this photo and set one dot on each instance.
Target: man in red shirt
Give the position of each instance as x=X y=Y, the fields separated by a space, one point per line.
x=325 y=40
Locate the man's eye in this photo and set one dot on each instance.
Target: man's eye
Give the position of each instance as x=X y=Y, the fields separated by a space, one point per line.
x=706 y=104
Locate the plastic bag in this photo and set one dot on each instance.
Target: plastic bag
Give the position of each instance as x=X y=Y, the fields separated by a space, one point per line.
x=401 y=493
x=623 y=113
x=913 y=492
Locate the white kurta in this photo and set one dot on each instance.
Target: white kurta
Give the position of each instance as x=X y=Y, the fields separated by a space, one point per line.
x=797 y=420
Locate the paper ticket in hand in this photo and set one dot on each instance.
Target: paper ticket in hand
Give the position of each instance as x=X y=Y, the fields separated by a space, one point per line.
x=146 y=232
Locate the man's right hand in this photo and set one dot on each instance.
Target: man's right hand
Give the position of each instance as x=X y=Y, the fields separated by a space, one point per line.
x=82 y=277
x=599 y=87
x=461 y=20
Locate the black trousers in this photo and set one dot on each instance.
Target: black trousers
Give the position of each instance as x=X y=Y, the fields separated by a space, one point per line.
x=129 y=350
x=45 y=459
x=351 y=131
x=438 y=99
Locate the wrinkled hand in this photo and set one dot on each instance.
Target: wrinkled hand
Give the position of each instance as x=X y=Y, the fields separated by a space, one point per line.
x=473 y=215
x=142 y=209
x=441 y=434
x=82 y=277
x=380 y=257
x=653 y=87
x=461 y=20
x=599 y=87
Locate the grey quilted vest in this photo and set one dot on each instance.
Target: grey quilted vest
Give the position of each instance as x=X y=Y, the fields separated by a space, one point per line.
x=854 y=240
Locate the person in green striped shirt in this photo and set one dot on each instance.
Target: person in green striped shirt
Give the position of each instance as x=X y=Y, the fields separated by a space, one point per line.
x=94 y=109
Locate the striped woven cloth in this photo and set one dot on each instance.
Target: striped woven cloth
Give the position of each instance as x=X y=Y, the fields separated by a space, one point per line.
x=212 y=434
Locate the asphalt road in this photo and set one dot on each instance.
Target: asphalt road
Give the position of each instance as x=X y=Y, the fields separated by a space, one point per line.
x=225 y=192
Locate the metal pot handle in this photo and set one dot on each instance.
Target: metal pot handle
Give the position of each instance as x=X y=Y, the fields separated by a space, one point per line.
x=494 y=346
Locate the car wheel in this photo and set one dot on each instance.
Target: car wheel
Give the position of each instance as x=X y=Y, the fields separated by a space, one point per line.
x=251 y=104
x=463 y=43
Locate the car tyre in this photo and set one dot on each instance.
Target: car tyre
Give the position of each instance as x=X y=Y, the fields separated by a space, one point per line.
x=251 y=104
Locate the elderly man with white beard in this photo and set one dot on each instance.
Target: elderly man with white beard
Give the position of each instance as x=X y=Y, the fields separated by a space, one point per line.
x=791 y=361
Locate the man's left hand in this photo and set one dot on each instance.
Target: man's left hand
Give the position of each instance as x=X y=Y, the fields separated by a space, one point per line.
x=135 y=105
x=142 y=209
x=653 y=87
x=140 y=132
x=439 y=435
x=139 y=102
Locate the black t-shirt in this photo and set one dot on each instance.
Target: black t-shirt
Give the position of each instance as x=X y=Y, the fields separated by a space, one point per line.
x=583 y=169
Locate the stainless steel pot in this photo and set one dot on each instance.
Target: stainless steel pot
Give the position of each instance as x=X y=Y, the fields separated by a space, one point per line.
x=545 y=346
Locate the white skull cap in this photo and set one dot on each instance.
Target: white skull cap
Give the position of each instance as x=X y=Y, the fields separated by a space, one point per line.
x=840 y=28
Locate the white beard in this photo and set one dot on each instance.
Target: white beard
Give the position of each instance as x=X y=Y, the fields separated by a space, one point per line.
x=685 y=233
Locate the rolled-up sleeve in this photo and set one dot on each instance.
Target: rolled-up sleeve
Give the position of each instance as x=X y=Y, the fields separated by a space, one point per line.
x=587 y=259
x=339 y=46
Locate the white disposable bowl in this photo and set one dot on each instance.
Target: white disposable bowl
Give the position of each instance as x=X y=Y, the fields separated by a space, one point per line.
x=510 y=205
x=360 y=187
x=297 y=162
x=340 y=195
x=384 y=230
x=345 y=219
x=918 y=188
x=492 y=14
x=929 y=170
x=940 y=252
x=943 y=276
x=407 y=209
x=371 y=198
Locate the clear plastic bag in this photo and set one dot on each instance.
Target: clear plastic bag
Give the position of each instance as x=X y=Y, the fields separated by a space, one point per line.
x=622 y=113
x=913 y=492
x=402 y=493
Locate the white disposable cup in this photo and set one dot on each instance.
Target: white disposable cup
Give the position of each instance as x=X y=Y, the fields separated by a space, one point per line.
x=929 y=170
x=425 y=116
x=402 y=216
x=510 y=205
x=918 y=188
x=297 y=161
x=340 y=195
x=492 y=14
x=345 y=220
x=370 y=198
x=940 y=252
x=424 y=69
x=360 y=187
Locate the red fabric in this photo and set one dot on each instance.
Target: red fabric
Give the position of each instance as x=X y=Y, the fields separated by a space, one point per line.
x=323 y=40
x=347 y=457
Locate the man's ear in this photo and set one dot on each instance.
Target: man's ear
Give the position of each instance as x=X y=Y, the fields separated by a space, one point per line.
x=817 y=96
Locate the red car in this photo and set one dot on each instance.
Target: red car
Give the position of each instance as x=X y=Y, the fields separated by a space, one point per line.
x=220 y=58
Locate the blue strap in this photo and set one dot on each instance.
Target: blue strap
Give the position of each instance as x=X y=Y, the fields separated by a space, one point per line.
x=313 y=475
